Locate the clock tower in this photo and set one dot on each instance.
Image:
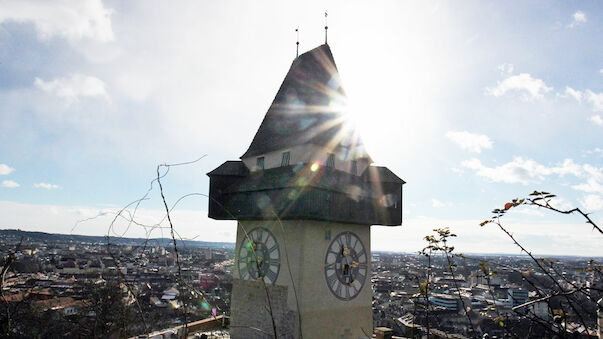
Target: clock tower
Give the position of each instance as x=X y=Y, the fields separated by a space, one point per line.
x=304 y=196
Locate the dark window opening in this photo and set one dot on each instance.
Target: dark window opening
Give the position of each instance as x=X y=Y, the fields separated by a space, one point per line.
x=331 y=160
x=354 y=168
x=260 y=163
x=286 y=159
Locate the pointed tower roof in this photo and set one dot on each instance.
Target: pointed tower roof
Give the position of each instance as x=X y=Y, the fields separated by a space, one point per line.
x=309 y=108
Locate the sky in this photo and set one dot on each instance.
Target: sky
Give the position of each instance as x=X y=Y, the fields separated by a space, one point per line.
x=472 y=103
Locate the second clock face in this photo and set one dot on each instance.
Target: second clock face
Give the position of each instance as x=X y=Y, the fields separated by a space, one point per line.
x=259 y=256
x=346 y=265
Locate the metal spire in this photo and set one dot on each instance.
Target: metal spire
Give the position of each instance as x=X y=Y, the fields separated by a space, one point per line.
x=326 y=26
x=297 y=43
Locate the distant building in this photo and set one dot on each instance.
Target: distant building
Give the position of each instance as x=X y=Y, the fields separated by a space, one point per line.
x=477 y=278
x=541 y=310
x=207 y=281
x=170 y=294
x=517 y=296
x=444 y=300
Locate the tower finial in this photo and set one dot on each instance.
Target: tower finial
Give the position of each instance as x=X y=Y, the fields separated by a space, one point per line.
x=326 y=26
x=297 y=43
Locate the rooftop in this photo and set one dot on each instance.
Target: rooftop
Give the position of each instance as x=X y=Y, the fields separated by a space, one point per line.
x=309 y=108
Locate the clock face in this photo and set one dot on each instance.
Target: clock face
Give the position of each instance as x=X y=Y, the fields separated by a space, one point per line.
x=346 y=266
x=259 y=256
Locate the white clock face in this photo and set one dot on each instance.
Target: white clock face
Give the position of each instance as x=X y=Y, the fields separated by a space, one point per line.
x=346 y=266
x=259 y=256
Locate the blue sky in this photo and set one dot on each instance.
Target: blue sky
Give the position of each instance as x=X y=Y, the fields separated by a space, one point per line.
x=472 y=103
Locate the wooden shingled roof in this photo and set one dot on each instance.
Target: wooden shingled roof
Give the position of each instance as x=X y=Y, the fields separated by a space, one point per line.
x=309 y=108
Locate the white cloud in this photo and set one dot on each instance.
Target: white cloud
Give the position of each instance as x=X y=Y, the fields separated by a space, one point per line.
x=596 y=99
x=9 y=184
x=5 y=169
x=573 y=93
x=517 y=171
x=470 y=141
x=597 y=119
x=592 y=202
x=577 y=18
x=527 y=171
x=594 y=179
x=73 y=87
x=71 y=19
x=505 y=68
x=524 y=83
x=46 y=186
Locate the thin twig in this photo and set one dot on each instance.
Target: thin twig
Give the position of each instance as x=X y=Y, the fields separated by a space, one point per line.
x=167 y=210
x=536 y=202
x=546 y=272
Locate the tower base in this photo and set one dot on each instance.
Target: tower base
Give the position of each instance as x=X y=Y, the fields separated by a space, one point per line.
x=250 y=311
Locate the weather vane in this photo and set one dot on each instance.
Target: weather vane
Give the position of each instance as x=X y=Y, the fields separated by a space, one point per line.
x=326 y=26
x=297 y=43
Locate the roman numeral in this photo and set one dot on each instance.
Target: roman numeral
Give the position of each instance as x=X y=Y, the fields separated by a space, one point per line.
x=356 y=241
x=331 y=280
x=260 y=234
x=271 y=276
x=335 y=253
x=338 y=289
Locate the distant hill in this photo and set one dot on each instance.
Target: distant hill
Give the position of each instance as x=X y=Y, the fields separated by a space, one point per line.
x=76 y=238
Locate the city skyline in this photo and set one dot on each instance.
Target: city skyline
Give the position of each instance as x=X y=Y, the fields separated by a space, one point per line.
x=470 y=112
